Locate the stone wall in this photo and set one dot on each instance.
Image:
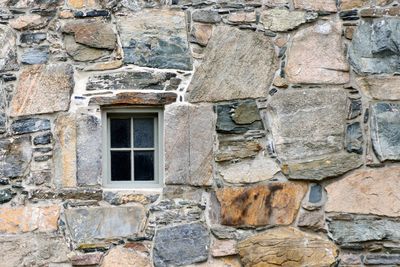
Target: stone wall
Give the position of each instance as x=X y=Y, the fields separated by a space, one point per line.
x=281 y=131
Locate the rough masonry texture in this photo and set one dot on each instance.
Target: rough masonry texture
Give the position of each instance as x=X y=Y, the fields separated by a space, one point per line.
x=280 y=132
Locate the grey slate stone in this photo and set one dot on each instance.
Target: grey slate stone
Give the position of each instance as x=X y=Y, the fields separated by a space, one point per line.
x=3 y=106
x=315 y=193
x=206 y=16
x=385 y=130
x=6 y=195
x=375 y=46
x=88 y=225
x=150 y=80
x=381 y=259
x=355 y=108
x=88 y=153
x=15 y=156
x=32 y=37
x=354 y=138
x=36 y=55
x=181 y=245
x=8 y=49
x=227 y=117
x=43 y=139
x=30 y=125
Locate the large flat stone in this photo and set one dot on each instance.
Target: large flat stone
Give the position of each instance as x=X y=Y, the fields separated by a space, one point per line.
x=276 y=203
x=380 y=87
x=317 y=55
x=8 y=50
x=88 y=150
x=181 y=245
x=385 y=130
x=281 y=20
x=135 y=98
x=155 y=38
x=125 y=257
x=64 y=156
x=308 y=122
x=363 y=229
x=317 y=5
x=232 y=69
x=15 y=156
x=29 y=218
x=189 y=144
x=35 y=55
x=371 y=191
x=374 y=46
x=81 y=52
x=287 y=246
x=43 y=89
x=88 y=225
x=139 y=80
x=29 y=125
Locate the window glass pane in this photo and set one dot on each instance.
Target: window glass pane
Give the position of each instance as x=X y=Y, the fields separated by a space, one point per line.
x=144 y=165
x=143 y=132
x=120 y=133
x=120 y=165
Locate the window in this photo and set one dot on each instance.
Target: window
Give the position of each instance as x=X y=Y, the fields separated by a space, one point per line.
x=133 y=147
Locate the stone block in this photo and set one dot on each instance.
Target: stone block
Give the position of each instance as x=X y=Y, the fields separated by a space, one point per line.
x=354 y=138
x=32 y=37
x=287 y=245
x=6 y=195
x=64 y=156
x=282 y=20
x=88 y=225
x=22 y=219
x=125 y=257
x=8 y=50
x=275 y=203
x=235 y=147
x=181 y=245
x=87 y=259
x=234 y=70
x=201 y=33
x=29 y=22
x=120 y=198
x=43 y=89
x=189 y=142
x=156 y=39
x=380 y=87
x=313 y=220
x=88 y=150
x=43 y=139
x=385 y=130
x=15 y=156
x=317 y=5
x=242 y=17
x=221 y=248
x=381 y=259
x=35 y=55
x=135 y=98
x=374 y=46
x=206 y=16
x=317 y=55
x=371 y=191
x=135 y=80
x=81 y=52
x=30 y=125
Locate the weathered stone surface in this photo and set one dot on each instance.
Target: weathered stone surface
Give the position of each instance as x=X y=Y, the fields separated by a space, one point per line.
x=88 y=150
x=274 y=3
x=81 y=52
x=28 y=22
x=79 y=4
x=313 y=220
x=249 y=171
x=315 y=195
x=381 y=259
x=29 y=218
x=355 y=108
x=380 y=87
x=242 y=17
x=354 y=138
x=67 y=193
x=135 y=98
x=120 y=198
x=351 y=4
x=125 y=257
x=43 y=89
x=287 y=246
x=362 y=229
x=276 y=203
x=181 y=245
x=308 y=122
x=234 y=147
x=326 y=166
x=65 y=151
x=6 y=195
x=155 y=38
x=317 y=55
x=8 y=50
x=234 y=70
x=385 y=130
x=281 y=20
x=87 y=259
x=149 y=80
x=374 y=46
x=189 y=144
x=88 y=225
x=15 y=156
x=43 y=139
x=201 y=33
x=206 y=16
x=93 y=34
x=221 y=248
x=3 y=107
x=317 y=5
x=36 y=55
x=238 y=117
x=33 y=250
x=372 y=191
x=30 y=125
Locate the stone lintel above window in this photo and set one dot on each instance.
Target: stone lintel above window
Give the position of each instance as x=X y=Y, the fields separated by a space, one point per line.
x=135 y=98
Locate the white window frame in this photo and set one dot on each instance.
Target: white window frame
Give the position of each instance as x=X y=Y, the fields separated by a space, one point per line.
x=158 y=181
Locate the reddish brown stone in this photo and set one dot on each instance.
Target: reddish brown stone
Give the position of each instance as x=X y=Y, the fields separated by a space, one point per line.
x=135 y=98
x=87 y=259
x=28 y=22
x=276 y=203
